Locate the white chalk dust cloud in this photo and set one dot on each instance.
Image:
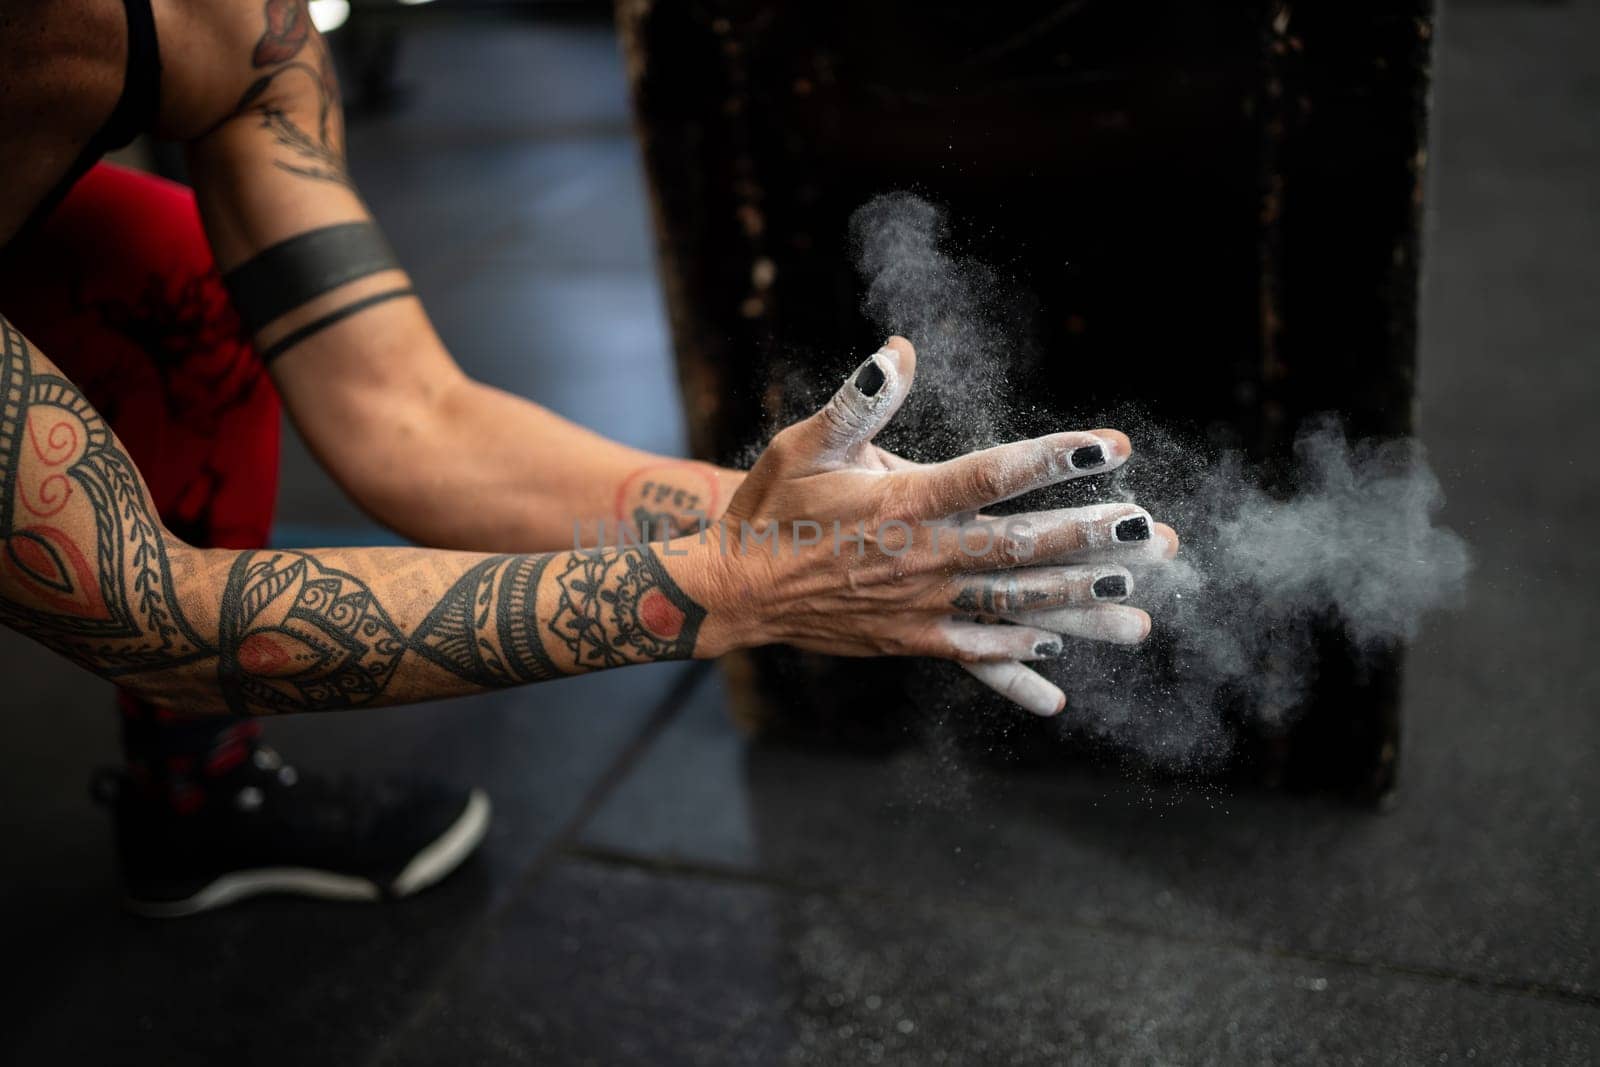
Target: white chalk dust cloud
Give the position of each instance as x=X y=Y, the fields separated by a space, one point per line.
x=1354 y=542
x=957 y=310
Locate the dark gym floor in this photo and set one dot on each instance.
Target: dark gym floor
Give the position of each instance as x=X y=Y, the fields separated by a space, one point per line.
x=656 y=890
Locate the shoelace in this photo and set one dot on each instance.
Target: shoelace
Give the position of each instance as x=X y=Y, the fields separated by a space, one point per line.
x=265 y=759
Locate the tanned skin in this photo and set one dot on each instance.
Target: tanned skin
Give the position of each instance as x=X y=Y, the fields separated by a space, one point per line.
x=430 y=453
x=248 y=87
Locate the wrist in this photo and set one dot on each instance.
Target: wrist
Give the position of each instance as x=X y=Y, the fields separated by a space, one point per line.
x=728 y=482
x=711 y=580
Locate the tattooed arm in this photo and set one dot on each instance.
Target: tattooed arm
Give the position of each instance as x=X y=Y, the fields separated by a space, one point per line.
x=87 y=569
x=442 y=459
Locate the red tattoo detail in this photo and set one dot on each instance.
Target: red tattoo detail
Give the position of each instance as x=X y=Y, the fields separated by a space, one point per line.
x=55 y=571
x=50 y=496
x=58 y=444
x=660 y=615
x=39 y=562
x=263 y=654
x=671 y=488
x=60 y=441
x=288 y=28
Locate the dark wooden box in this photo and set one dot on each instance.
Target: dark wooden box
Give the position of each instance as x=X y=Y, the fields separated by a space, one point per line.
x=1215 y=204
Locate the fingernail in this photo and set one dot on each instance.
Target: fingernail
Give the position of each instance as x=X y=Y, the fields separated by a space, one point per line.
x=1134 y=529
x=1110 y=587
x=1088 y=457
x=1047 y=649
x=870 y=378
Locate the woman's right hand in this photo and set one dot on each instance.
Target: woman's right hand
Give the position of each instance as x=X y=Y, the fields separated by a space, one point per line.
x=834 y=545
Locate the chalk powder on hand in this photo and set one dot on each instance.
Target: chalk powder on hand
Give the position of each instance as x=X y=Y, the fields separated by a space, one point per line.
x=1356 y=540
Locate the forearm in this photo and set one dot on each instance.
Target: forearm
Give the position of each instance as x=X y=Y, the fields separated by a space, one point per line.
x=486 y=470
x=271 y=632
x=347 y=628
x=442 y=460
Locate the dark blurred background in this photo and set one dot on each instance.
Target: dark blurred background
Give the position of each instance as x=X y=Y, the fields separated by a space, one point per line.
x=658 y=888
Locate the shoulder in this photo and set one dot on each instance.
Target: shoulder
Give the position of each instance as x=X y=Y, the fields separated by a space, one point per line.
x=215 y=52
x=67 y=52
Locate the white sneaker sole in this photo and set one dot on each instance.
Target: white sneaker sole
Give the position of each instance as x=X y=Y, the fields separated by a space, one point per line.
x=443 y=855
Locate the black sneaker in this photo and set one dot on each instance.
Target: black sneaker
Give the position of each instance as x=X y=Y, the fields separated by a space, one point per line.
x=266 y=829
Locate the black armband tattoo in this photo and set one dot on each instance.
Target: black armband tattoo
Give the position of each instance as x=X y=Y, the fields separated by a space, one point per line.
x=294 y=337
x=296 y=271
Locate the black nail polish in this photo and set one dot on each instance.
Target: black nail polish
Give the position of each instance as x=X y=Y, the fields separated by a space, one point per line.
x=1134 y=529
x=1047 y=650
x=1088 y=457
x=1110 y=587
x=869 y=379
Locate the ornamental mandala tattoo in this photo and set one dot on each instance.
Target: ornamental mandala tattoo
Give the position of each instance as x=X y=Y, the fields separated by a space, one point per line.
x=484 y=630
x=109 y=604
x=296 y=635
x=620 y=606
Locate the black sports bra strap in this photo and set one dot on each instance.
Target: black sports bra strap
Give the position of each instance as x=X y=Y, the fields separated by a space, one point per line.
x=141 y=85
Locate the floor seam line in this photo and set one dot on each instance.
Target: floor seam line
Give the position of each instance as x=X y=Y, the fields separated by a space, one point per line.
x=1527 y=988
x=661 y=716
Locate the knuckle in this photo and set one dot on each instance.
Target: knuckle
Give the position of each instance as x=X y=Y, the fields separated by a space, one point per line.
x=901 y=498
x=1013 y=689
x=845 y=418
x=936 y=564
x=965 y=654
x=997 y=595
x=899 y=644
x=1010 y=549
x=784 y=441
x=985 y=482
x=916 y=561
x=922 y=638
x=835 y=416
x=1011 y=596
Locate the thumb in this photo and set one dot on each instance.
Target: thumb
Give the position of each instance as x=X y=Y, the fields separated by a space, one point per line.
x=863 y=405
